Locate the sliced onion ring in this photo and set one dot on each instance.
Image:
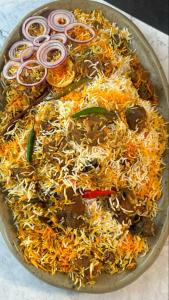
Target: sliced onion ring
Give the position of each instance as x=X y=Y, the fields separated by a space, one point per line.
x=59 y=37
x=24 y=65
x=56 y=15
x=45 y=48
x=71 y=26
x=6 y=68
x=12 y=50
x=32 y=20
x=27 y=53
x=41 y=39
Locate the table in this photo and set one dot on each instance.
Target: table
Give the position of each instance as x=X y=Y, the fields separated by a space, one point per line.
x=16 y=283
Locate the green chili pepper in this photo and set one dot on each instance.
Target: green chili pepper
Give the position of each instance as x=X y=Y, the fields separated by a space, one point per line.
x=89 y=111
x=30 y=144
x=68 y=89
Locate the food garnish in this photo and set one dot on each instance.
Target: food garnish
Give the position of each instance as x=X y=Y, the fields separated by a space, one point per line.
x=89 y=111
x=30 y=144
x=97 y=193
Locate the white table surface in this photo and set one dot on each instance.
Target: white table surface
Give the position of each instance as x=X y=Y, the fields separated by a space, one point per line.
x=16 y=283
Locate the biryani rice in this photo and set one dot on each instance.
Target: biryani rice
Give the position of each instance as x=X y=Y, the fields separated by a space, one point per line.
x=126 y=158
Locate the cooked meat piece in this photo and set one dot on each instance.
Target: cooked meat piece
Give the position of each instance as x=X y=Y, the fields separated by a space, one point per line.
x=90 y=166
x=141 y=81
x=23 y=171
x=75 y=209
x=136 y=228
x=96 y=122
x=146 y=91
x=135 y=219
x=91 y=65
x=93 y=122
x=49 y=148
x=141 y=209
x=77 y=134
x=93 y=125
x=83 y=262
x=145 y=227
x=109 y=256
x=94 y=274
x=53 y=146
x=133 y=76
x=111 y=117
x=45 y=126
x=126 y=199
x=71 y=214
x=88 y=64
x=70 y=193
x=107 y=67
x=136 y=117
x=73 y=222
x=125 y=204
x=148 y=227
x=95 y=138
x=121 y=217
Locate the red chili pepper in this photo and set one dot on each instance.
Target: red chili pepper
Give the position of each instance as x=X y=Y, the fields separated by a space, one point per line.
x=97 y=193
